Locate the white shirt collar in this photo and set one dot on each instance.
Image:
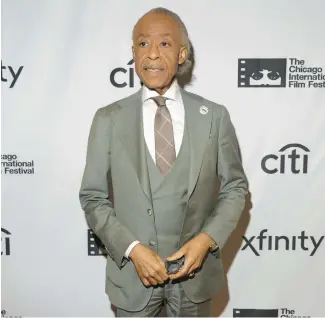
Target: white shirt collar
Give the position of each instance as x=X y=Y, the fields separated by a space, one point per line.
x=172 y=93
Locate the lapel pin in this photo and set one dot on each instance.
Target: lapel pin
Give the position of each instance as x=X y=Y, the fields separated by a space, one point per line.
x=204 y=110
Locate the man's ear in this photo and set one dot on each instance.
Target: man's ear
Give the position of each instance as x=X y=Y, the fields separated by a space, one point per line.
x=182 y=55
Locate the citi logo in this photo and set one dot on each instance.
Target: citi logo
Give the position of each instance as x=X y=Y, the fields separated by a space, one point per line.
x=121 y=77
x=5 y=242
x=264 y=242
x=287 y=161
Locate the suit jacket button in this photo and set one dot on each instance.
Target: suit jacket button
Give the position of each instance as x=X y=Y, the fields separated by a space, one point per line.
x=152 y=243
x=149 y=211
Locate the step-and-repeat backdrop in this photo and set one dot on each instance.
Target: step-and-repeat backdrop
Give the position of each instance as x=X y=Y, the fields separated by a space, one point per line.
x=63 y=59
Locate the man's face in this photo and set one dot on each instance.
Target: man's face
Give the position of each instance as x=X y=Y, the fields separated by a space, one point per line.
x=157 y=51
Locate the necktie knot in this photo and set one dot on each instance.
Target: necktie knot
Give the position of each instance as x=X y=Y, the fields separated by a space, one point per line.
x=160 y=100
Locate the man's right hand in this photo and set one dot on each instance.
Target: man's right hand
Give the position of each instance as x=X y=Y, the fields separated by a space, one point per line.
x=149 y=265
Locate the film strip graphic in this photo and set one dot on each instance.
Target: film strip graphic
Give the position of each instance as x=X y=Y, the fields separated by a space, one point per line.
x=95 y=245
x=255 y=313
x=262 y=72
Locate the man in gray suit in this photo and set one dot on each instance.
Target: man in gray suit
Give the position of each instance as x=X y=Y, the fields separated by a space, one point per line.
x=164 y=152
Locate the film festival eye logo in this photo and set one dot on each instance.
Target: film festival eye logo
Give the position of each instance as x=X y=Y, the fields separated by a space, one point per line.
x=95 y=246
x=270 y=313
x=262 y=72
x=5 y=242
x=294 y=162
x=283 y=72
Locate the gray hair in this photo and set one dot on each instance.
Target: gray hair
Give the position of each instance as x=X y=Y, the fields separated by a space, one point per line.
x=185 y=67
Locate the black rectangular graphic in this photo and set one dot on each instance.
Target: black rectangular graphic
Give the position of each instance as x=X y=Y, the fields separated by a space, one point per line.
x=256 y=313
x=95 y=245
x=262 y=72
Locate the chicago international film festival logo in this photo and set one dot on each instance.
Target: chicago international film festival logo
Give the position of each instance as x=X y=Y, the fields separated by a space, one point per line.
x=10 y=164
x=279 y=72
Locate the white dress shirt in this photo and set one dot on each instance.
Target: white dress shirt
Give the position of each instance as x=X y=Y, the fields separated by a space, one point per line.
x=176 y=109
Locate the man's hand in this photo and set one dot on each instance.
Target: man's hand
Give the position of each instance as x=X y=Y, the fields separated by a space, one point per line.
x=195 y=251
x=149 y=266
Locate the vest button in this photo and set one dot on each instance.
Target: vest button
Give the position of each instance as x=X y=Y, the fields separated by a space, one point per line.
x=149 y=211
x=152 y=243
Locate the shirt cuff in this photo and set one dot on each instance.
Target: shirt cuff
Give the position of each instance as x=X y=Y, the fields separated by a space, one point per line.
x=128 y=251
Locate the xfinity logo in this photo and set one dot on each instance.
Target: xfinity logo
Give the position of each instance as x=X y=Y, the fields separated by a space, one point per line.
x=11 y=76
x=287 y=161
x=274 y=243
x=121 y=77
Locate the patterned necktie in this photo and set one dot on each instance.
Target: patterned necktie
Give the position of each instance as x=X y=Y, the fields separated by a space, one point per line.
x=164 y=137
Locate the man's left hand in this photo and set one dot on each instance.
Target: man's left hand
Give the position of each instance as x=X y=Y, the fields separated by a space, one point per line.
x=195 y=251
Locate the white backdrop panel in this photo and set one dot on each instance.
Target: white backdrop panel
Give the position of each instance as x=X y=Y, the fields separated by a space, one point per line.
x=67 y=50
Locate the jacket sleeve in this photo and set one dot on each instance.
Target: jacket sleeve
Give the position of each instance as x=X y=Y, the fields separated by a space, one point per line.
x=94 y=190
x=233 y=184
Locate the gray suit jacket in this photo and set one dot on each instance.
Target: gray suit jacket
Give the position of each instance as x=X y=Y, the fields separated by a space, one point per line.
x=116 y=158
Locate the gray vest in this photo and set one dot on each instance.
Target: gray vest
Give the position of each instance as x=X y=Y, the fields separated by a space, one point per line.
x=169 y=196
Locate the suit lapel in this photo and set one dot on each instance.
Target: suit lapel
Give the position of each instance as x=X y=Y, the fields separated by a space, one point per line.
x=199 y=127
x=129 y=125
